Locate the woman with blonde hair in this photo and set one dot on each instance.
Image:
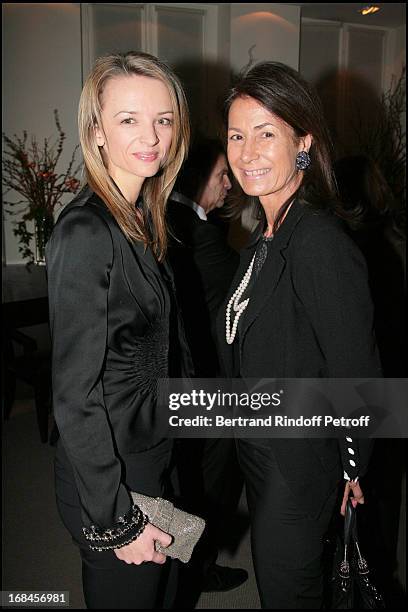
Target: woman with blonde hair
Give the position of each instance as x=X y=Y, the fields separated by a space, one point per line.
x=112 y=316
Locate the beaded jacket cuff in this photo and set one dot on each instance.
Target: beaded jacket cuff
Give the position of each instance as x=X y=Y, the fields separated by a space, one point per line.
x=126 y=530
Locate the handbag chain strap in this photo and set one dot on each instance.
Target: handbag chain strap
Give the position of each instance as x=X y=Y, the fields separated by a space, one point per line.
x=351 y=537
x=361 y=562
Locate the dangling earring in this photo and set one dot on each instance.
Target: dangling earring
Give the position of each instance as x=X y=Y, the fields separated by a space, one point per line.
x=303 y=160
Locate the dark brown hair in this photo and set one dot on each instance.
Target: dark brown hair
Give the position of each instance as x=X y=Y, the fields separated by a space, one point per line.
x=282 y=91
x=196 y=170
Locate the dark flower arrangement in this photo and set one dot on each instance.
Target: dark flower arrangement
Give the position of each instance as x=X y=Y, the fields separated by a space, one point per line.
x=385 y=141
x=31 y=171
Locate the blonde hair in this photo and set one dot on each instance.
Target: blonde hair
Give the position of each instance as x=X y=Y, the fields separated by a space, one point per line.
x=156 y=189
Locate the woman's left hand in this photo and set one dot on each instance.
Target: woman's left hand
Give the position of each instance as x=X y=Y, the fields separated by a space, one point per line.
x=357 y=498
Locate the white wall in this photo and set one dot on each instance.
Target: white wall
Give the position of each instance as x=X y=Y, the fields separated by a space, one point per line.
x=400 y=47
x=41 y=72
x=274 y=28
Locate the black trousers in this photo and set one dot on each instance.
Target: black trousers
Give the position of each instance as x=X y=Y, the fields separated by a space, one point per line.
x=108 y=582
x=287 y=545
x=208 y=482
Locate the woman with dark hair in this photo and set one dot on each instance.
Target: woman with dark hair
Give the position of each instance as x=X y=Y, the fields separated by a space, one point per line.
x=299 y=307
x=112 y=316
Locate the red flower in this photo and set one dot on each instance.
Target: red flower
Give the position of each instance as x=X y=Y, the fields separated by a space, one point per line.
x=72 y=184
x=46 y=175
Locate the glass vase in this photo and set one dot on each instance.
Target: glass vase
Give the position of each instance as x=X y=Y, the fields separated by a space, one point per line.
x=43 y=226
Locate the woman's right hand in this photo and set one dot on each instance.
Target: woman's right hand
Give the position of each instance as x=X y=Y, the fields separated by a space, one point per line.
x=142 y=549
x=357 y=498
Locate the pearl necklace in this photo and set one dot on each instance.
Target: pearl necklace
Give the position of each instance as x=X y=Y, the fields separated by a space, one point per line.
x=230 y=332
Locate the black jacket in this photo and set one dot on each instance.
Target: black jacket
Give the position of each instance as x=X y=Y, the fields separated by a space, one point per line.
x=309 y=316
x=204 y=266
x=111 y=307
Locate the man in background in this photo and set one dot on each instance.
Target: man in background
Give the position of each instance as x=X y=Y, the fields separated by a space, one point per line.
x=204 y=265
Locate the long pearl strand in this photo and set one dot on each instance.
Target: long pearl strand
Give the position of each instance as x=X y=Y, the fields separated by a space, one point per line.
x=230 y=332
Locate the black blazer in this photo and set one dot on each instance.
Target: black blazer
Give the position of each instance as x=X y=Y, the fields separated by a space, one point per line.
x=309 y=315
x=111 y=305
x=204 y=266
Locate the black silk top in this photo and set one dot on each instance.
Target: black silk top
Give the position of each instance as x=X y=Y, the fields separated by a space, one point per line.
x=111 y=307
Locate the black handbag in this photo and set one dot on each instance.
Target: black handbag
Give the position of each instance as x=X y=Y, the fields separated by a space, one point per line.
x=351 y=585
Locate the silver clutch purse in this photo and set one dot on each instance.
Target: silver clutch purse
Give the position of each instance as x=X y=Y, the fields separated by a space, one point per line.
x=185 y=528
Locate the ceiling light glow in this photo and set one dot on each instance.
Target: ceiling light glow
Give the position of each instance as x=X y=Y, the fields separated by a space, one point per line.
x=370 y=9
